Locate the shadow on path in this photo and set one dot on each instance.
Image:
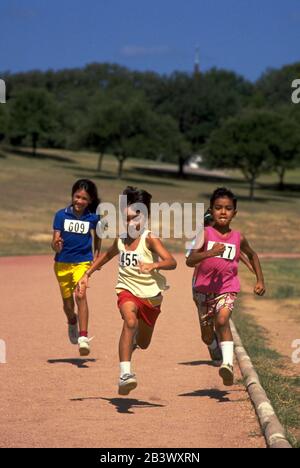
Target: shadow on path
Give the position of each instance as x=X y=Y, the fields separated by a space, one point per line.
x=80 y=363
x=214 y=394
x=125 y=405
x=197 y=363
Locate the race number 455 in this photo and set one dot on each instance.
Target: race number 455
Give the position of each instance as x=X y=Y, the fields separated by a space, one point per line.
x=129 y=259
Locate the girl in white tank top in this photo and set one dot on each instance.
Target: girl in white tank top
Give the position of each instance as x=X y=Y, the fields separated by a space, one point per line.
x=143 y=285
x=139 y=285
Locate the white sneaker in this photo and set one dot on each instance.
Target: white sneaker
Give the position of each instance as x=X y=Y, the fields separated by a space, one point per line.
x=73 y=333
x=84 y=345
x=127 y=383
x=226 y=373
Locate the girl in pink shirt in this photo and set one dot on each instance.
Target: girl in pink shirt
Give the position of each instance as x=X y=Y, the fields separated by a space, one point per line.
x=216 y=282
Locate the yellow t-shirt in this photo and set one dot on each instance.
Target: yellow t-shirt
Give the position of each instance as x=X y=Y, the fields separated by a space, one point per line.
x=143 y=285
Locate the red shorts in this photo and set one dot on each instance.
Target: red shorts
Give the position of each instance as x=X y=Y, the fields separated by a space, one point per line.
x=147 y=311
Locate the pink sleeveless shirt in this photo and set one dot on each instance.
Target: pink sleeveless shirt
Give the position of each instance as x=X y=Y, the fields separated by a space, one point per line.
x=219 y=275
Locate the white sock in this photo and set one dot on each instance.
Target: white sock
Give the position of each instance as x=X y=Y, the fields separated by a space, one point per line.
x=125 y=368
x=213 y=345
x=227 y=352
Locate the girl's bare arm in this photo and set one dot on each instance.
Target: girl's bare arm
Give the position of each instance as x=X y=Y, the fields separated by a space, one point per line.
x=259 y=288
x=166 y=262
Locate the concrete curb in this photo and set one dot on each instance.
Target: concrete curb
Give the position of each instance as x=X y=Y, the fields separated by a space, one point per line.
x=271 y=427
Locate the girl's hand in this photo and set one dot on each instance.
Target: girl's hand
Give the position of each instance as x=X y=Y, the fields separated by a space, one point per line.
x=58 y=245
x=82 y=285
x=147 y=267
x=218 y=249
x=259 y=289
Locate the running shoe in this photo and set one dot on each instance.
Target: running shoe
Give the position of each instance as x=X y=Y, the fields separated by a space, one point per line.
x=226 y=373
x=216 y=354
x=84 y=345
x=127 y=383
x=73 y=333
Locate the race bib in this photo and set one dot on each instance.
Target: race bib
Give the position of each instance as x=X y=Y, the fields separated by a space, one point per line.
x=228 y=254
x=77 y=227
x=129 y=259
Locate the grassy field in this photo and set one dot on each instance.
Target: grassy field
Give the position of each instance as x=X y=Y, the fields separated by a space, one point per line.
x=268 y=326
x=282 y=387
x=33 y=189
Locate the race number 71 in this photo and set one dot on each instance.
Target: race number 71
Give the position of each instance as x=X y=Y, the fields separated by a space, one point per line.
x=228 y=254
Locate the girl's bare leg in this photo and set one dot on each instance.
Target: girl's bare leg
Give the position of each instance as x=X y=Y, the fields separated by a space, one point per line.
x=130 y=325
x=69 y=309
x=144 y=335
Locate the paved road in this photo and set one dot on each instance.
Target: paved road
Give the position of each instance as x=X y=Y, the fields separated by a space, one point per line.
x=52 y=398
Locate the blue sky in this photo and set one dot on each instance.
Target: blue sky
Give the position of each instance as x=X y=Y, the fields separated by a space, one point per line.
x=246 y=36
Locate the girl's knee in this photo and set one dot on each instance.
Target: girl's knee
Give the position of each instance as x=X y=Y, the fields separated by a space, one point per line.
x=131 y=323
x=80 y=296
x=222 y=322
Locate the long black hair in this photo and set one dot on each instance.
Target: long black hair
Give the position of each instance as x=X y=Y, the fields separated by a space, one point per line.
x=91 y=190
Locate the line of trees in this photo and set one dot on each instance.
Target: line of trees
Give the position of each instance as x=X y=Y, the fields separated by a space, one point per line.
x=110 y=109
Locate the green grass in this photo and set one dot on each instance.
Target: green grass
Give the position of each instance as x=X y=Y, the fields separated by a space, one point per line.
x=282 y=390
x=282 y=278
x=33 y=189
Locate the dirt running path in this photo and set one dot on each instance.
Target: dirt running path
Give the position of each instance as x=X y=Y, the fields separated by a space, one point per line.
x=52 y=398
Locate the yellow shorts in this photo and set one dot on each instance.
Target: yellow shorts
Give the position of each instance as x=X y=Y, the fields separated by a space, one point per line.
x=68 y=275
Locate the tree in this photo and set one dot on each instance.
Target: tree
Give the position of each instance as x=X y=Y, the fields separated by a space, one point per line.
x=275 y=86
x=131 y=129
x=3 y=122
x=98 y=129
x=199 y=105
x=245 y=142
x=285 y=142
x=32 y=114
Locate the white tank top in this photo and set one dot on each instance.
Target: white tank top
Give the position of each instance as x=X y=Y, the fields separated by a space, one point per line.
x=143 y=285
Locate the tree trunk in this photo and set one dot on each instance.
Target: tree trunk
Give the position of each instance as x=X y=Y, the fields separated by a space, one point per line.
x=34 y=137
x=100 y=161
x=181 y=162
x=281 y=173
x=252 y=186
x=121 y=164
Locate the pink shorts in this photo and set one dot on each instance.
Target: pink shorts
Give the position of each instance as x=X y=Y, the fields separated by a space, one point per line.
x=209 y=305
